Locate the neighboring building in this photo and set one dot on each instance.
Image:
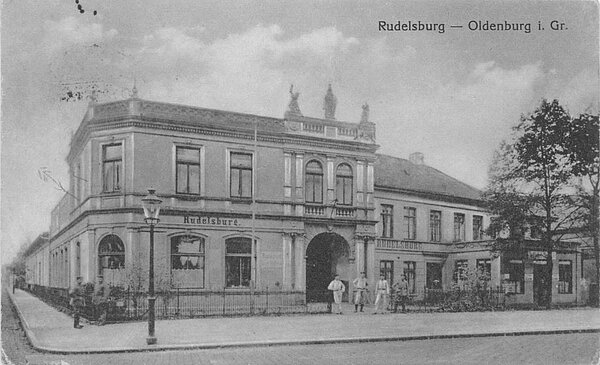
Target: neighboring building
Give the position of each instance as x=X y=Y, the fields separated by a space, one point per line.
x=312 y=192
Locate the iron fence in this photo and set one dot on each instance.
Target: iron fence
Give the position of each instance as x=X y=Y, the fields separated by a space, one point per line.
x=129 y=305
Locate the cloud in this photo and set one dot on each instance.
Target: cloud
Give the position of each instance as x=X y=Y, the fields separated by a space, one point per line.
x=72 y=30
x=456 y=121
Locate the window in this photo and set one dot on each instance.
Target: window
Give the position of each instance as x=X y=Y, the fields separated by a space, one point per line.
x=514 y=273
x=386 y=268
x=460 y=270
x=565 y=277
x=187 y=262
x=240 y=175
x=409 y=273
x=434 y=275
x=477 y=227
x=238 y=262
x=111 y=167
x=111 y=255
x=343 y=184
x=410 y=223
x=78 y=259
x=484 y=269
x=314 y=182
x=387 y=221
x=459 y=227
x=435 y=226
x=188 y=170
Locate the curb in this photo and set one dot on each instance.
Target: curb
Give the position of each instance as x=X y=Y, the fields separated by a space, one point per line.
x=28 y=332
x=307 y=342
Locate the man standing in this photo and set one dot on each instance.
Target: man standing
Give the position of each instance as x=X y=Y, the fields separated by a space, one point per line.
x=76 y=293
x=401 y=294
x=100 y=300
x=382 y=289
x=360 y=285
x=338 y=289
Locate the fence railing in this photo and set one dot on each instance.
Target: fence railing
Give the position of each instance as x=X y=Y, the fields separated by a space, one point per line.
x=128 y=305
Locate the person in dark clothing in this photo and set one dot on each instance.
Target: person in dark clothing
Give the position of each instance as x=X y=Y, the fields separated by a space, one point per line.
x=76 y=293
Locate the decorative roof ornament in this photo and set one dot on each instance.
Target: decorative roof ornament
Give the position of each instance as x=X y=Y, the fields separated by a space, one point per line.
x=293 y=107
x=134 y=91
x=329 y=104
x=93 y=97
x=364 y=118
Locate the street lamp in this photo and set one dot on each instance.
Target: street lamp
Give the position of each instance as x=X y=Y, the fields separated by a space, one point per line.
x=151 y=205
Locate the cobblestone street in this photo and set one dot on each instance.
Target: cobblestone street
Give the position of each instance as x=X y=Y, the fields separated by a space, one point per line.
x=544 y=349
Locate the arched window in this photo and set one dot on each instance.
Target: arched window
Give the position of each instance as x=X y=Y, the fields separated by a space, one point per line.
x=187 y=262
x=238 y=262
x=313 y=182
x=343 y=184
x=111 y=258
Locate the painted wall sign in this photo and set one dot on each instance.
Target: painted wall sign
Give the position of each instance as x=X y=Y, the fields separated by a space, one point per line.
x=399 y=245
x=211 y=221
x=537 y=255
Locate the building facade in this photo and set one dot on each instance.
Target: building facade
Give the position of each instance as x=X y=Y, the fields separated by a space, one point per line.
x=259 y=202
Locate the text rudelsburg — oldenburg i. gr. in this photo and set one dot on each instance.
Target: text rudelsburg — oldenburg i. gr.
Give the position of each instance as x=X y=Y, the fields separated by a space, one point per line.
x=473 y=25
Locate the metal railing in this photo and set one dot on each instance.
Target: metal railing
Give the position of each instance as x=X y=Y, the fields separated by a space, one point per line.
x=128 y=305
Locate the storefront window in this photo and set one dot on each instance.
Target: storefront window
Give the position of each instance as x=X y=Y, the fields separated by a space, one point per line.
x=111 y=259
x=238 y=262
x=484 y=269
x=386 y=268
x=514 y=273
x=565 y=277
x=187 y=262
x=460 y=270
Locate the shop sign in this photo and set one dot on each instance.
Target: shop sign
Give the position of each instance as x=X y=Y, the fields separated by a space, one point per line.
x=211 y=221
x=399 y=245
x=537 y=255
x=528 y=277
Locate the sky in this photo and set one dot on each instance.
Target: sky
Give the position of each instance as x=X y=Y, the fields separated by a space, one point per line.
x=451 y=95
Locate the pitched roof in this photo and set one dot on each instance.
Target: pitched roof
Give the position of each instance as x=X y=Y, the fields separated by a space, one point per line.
x=398 y=173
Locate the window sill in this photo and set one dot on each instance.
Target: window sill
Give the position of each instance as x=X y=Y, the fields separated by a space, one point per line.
x=240 y=200
x=186 y=196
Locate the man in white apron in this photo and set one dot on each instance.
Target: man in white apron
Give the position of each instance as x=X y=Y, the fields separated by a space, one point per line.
x=338 y=289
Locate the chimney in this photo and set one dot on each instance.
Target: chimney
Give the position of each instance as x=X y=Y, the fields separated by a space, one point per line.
x=417 y=158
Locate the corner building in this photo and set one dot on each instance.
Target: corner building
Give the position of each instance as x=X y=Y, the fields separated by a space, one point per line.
x=258 y=202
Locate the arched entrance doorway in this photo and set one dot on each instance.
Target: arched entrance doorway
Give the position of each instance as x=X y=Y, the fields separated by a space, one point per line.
x=326 y=255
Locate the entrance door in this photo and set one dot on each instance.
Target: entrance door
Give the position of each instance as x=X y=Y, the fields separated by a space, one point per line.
x=539 y=283
x=434 y=275
x=326 y=255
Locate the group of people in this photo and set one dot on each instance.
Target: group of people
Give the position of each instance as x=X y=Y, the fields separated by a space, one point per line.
x=100 y=296
x=382 y=293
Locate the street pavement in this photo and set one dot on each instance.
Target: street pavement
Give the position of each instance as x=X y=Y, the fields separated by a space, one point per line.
x=52 y=331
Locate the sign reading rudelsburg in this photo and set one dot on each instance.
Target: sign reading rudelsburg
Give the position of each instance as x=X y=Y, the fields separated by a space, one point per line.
x=211 y=221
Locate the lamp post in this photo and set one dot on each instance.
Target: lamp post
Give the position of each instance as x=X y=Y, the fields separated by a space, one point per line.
x=151 y=205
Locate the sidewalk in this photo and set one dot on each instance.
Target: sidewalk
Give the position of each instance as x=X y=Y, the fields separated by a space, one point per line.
x=52 y=331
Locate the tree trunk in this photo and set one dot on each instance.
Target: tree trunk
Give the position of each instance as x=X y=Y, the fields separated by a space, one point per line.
x=595 y=224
